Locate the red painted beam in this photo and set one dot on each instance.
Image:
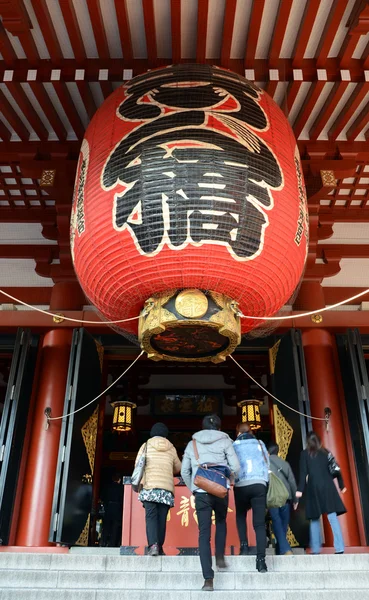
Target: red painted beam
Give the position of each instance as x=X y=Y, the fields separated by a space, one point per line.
x=175 y=15
x=47 y=28
x=332 y=295
x=5 y=134
x=6 y=48
x=339 y=251
x=29 y=46
x=69 y=108
x=344 y=215
x=253 y=33
x=347 y=50
x=349 y=110
x=27 y=109
x=150 y=31
x=310 y=101
x=31 y=295
x=358 y=125
x=11 y=116
x=97 y=23
x=330 y=30
x=229 y=16
x=271 y=87
x=74 y=32
x=293 y=89
x=279 y=31
x=202 y=30
x=303 y=36
x=87 y=98
x=328 y=109
x=29 y=251
x=28 y=215
x=124 y=29
x=48 y=108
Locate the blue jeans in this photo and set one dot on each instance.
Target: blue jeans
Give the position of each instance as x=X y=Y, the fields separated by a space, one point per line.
x=280 y=519
x=315 y=535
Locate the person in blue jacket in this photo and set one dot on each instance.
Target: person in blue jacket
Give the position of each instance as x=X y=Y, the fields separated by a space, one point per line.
x=250 y=490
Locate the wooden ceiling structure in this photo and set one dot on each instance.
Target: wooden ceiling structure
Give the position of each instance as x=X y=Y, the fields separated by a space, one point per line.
x=61 y=58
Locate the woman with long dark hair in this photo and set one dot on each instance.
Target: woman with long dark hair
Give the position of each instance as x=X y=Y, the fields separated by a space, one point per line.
x=316 y=467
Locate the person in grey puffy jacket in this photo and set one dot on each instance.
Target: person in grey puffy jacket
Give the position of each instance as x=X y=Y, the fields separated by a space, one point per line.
x=214 y=447
x=250 y=490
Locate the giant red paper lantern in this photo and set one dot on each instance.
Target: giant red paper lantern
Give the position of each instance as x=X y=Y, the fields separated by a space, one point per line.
x=189 y=177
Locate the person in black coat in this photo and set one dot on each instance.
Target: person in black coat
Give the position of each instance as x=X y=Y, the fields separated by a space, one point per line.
x=321 y=492
x=113 y=500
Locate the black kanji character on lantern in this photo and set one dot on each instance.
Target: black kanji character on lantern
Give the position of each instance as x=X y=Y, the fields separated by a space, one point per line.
x=195 y=172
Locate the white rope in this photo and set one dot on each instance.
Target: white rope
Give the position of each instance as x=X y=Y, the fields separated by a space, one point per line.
x=99 y=396
x=281 y=318
x=274 y=397
x=51 y=314
x=306 y=314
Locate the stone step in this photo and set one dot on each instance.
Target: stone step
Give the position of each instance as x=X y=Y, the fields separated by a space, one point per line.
x=76 y=594
x=183 y=581
x=185 y=564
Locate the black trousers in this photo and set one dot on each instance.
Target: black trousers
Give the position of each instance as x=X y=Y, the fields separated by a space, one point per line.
x=246 y=497
x=112 y=525
x=205 y=504
x=156 y=522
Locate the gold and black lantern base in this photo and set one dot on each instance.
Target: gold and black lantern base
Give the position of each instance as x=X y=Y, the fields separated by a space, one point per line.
x=189 y=326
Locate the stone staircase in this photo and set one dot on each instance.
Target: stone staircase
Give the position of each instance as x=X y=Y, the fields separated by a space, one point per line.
x=108 y=576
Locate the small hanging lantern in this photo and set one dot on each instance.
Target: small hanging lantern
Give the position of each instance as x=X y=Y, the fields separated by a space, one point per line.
x=122 y=416
x=250 y=412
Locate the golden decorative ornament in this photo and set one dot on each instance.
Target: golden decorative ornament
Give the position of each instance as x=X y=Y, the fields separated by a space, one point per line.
x=166 y=332
x=59 y=318
x=192 y=303
x=273 y=356
x=250 y=412
x=89 y=434
x=328 y=178
x=317 y=318
x=283 y=432
x=47 y=178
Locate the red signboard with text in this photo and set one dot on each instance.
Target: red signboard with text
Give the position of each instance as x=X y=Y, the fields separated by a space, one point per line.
x=182 y=530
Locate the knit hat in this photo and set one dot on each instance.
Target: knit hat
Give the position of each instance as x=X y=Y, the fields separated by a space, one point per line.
x=159 y=429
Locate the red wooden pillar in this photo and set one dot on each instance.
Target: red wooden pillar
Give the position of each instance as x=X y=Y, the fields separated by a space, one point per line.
x=41 y=458
x=36 y=503
x=319 y=347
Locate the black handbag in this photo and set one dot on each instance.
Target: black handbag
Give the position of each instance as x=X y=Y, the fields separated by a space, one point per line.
x=333 y=466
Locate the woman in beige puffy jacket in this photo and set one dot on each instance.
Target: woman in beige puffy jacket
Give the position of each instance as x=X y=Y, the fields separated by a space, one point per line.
x=157 y=494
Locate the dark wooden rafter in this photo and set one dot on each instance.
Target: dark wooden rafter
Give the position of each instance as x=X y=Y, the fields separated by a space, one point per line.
x=330 y=105
x=74 y=32
x=358 y=25
x=98 y=27
x=150 y=31
x=228 y=25
x=124 y=29
x=279 y=32
x=48 y=108
x=28 y=251
x=253 y=32
x=349 y=110
x=358 y=125
x=87 y=98
x=303 y=36
x=329 y=32
x=5 y=134
x=175 y=13
x=69 y=108
x=12 y=117
x=48 y=30
x=308 y=105
x=202 y=28
x=27 y=109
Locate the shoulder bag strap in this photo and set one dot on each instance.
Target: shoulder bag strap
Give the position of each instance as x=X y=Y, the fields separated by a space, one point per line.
x=196 y=453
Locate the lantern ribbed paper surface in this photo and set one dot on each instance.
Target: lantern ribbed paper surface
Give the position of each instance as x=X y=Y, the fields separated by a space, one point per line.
x=189 y=177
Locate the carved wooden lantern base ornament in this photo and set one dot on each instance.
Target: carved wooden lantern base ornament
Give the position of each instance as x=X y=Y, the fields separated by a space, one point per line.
x=190 y=326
